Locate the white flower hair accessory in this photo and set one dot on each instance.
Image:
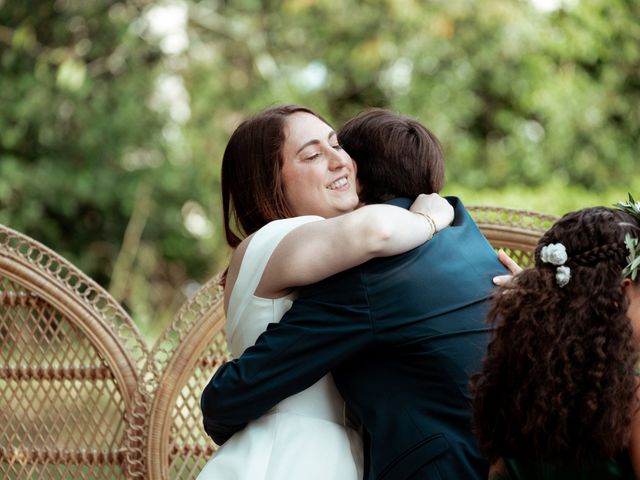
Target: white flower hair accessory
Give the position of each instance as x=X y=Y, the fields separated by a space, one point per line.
x=563 y=275
x=556 y=254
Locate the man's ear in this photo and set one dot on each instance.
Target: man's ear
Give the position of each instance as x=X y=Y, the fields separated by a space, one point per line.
x=355 y=172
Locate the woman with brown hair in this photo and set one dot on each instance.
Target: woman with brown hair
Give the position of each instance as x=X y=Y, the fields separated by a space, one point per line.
x=557 y=397
x=290 y=189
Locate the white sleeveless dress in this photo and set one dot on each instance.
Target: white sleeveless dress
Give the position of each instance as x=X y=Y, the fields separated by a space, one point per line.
x=304 y=436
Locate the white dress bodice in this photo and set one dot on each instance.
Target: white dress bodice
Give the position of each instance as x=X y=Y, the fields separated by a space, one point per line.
x=304 y=436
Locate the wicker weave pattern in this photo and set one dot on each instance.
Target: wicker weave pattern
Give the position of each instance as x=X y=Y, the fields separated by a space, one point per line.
x=516 y=231
x=187 y=355
x=68 y=373
x=27 y=255
x=82 y=397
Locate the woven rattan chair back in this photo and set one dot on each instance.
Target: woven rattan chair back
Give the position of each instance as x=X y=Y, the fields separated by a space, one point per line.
x=194 y=346
x=70 y=361
x=515 y=231
x=183 y=361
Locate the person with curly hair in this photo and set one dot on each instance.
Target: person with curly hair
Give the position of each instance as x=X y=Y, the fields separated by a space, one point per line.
x=557 y=396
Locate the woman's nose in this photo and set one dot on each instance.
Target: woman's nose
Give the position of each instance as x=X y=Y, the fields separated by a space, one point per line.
x=339 y=159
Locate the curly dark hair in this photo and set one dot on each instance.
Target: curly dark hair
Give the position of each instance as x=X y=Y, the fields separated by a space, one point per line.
x=557 y=383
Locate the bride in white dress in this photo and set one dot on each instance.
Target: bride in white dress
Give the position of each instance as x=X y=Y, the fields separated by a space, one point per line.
x=305 y=436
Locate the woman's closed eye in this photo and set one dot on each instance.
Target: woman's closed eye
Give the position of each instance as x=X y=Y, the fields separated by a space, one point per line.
x=313 y=156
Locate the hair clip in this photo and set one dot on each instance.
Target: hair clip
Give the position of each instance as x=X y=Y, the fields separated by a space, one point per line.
x=556 y=254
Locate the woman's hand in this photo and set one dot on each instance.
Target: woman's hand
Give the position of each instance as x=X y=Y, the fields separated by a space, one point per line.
x=435 y=207
x=514 y=268
x=498 y=471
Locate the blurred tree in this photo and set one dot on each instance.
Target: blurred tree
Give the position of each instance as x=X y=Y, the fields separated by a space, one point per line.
x=518 y=91
x=84 y=157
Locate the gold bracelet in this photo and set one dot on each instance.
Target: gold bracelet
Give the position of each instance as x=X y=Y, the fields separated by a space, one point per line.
x=430 y=221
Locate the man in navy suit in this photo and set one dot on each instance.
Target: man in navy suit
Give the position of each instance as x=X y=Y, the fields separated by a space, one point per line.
x=401 y=334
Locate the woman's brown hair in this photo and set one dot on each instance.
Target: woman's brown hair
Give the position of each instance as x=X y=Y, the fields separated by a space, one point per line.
x=557 y=384
x=252 y=188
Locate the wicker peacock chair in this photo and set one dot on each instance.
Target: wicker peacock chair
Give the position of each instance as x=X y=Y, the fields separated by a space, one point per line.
x=70 y=365
x=179 y=367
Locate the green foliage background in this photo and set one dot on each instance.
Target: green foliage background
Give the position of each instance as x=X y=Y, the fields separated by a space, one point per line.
x=111 y=136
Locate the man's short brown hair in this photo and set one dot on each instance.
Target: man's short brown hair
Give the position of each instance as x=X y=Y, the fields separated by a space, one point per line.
x=397 y=156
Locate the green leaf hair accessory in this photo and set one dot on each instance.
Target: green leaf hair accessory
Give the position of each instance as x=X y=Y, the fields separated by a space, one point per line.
x=632 y=207
x=633 y=247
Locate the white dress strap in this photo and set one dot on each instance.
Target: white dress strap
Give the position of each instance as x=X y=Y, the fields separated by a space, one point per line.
x=256 y=256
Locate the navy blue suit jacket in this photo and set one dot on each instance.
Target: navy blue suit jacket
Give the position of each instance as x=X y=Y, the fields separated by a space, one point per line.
x=401 y=335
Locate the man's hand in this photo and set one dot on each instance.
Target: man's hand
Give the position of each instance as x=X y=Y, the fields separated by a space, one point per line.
x=514 y=268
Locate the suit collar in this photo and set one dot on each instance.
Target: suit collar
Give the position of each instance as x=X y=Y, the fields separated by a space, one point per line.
x=403 y=202
x=406 y=202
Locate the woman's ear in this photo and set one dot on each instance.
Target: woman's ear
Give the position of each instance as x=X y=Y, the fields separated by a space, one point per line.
x=631 y=290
